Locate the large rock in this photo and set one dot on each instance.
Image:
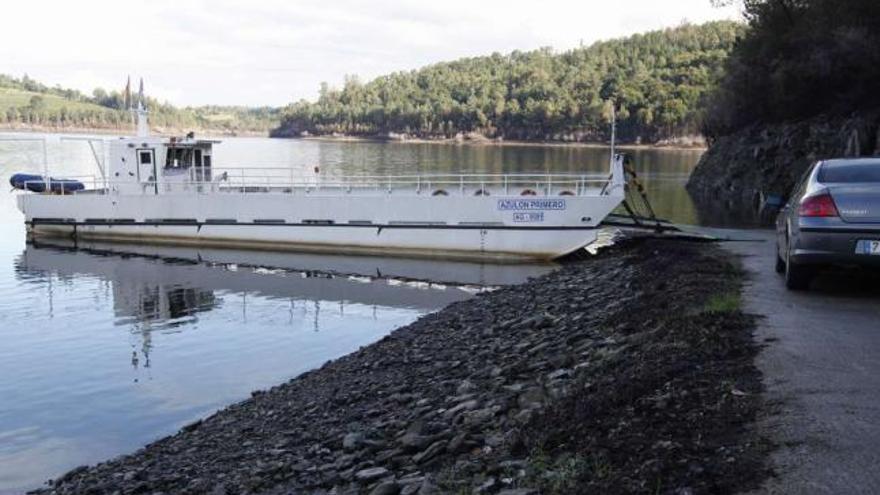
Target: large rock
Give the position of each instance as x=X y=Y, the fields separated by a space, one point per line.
x=370 y=474
x=386 y=488
x=352 y=440
x=741 y=173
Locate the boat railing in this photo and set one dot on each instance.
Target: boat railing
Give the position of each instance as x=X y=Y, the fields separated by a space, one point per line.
x=253 y=181
x=266 y=180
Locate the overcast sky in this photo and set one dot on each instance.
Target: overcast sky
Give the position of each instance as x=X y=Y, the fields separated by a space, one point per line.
x=270 y=52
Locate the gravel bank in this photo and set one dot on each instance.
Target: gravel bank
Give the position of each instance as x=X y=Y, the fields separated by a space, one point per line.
x=628 y=372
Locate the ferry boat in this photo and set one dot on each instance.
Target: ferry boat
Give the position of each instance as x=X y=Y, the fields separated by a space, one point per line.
x=168 y=191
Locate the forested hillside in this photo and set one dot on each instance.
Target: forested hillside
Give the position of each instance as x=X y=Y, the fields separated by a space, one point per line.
x=28 y=103
x=659 y=81
x=799 y=59
x=800 y=86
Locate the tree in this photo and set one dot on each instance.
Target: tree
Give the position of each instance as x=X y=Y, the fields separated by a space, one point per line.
x=798 y=59
x=69 y=107
x=535 y=95
x=37 y=103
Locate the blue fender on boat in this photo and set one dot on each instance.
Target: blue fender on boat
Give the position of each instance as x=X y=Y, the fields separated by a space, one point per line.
x=37 y=183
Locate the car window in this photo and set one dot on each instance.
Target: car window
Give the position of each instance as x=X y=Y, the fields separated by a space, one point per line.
x=849 y=171
x=801 y=185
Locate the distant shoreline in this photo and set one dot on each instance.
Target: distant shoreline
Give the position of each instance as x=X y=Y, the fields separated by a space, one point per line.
x=121 y=131
x=5 y=128
x=499 y=143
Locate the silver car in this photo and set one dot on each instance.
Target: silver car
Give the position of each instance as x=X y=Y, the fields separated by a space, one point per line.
x=832 y=219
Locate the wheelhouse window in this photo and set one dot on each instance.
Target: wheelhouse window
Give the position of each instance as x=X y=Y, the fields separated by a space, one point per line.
x=146 y=158
x=179 y=158
x=185 y=156
x=189 y=158
x=203 y=165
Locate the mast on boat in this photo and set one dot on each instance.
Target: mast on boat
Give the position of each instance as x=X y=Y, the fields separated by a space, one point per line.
x=613 y=131
x=140 y=112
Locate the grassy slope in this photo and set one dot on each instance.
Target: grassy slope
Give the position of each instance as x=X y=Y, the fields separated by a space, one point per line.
x=18 y=98
x=10 y=97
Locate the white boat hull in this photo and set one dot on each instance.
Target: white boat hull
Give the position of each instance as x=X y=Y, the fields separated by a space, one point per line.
x=504 y=228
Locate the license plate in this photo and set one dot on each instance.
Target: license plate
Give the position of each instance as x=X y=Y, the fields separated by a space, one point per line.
x=869 y=247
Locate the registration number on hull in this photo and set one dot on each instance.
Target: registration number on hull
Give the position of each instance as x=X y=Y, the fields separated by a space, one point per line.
x=528 y=217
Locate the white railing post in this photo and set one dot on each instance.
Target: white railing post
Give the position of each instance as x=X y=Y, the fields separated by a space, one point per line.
x=46 y=166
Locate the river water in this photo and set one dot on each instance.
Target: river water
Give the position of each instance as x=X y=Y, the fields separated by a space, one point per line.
x=104 y=348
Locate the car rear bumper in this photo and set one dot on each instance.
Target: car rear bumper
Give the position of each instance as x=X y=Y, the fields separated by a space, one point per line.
x=835 y=246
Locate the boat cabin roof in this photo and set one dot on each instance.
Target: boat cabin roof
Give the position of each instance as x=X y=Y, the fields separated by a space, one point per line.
x=199 y=143
x=172 y=142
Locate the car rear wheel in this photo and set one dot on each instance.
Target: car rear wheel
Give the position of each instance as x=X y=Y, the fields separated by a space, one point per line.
x=797 y=277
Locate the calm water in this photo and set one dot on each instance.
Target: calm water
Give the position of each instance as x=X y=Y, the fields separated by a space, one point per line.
x=104 y=348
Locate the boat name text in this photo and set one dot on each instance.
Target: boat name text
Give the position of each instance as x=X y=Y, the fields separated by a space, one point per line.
x=531 y=204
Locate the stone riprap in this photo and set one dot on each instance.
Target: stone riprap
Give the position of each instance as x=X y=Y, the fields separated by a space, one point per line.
x=628 y=372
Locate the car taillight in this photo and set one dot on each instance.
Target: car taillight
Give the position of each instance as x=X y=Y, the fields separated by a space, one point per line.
x=820 y=205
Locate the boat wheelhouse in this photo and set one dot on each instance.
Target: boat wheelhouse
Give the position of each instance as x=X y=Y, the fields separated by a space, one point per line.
x=169 y=191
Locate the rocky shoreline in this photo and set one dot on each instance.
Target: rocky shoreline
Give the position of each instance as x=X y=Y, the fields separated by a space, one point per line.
x=628 y=372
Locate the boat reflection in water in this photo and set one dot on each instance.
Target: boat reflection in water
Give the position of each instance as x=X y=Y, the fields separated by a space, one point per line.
x=149 y=291
x=165 y=287
x=121 y=344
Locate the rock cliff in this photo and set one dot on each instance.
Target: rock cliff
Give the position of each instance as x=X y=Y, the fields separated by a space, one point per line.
x=763 y=162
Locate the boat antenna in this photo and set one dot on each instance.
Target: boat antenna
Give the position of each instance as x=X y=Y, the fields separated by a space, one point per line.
x=613 y=130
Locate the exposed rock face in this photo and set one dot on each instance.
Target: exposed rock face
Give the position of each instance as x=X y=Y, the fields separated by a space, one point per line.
x=607 y=376
x=746 y=168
